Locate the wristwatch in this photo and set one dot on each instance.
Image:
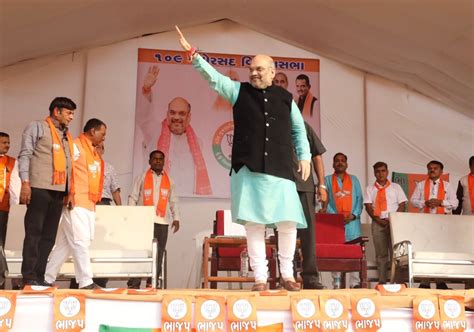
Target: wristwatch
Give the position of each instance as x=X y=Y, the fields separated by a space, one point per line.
x=323 y=186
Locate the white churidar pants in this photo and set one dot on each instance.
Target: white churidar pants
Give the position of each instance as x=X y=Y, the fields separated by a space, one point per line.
x=76 y=230
x=257 y=251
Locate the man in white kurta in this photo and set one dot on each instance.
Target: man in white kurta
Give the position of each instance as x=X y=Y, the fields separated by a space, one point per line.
x=77 y=225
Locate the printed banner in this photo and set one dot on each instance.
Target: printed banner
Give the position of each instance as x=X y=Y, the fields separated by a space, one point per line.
x=109 y=291
x=146 y=291
x=33 y=289
x=305 y=313
x=278 y=327
x=178 y=113
x=426 y=313
x=176 y=313
x=210 y=314
x=452 y=313
x=408 y=183
x=334 y=312
x=241 y=313
x=366 y=312
x=7 y=310
x=391 y=289
x=69 y=312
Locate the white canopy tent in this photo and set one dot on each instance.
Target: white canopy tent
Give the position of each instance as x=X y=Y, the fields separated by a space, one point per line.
x=396 y=83
x=427 y=45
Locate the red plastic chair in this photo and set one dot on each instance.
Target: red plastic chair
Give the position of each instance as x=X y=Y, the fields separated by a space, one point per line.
x=334 y=253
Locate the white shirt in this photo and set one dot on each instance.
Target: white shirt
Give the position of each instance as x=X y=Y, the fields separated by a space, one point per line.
x=181 y=165
x=136 y=198
x=394 y=193
x=15 y=184
x=450 y=201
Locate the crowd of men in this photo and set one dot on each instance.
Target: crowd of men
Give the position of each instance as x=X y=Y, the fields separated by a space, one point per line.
x=62 y=179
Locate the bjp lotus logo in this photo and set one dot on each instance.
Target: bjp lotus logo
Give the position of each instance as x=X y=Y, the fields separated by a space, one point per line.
x=177 y=309
x=333 y=308
x=366 y=307
x=242 y=309
x=69 y=306
x=222 y=144
x=452 y=309
x=210 y=309
x=5 y=305
x=426 y=309
x=305 y=308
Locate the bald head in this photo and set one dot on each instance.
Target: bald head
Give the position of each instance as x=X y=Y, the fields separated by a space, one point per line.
x=262 y=71
x=178 y=116
x=281 y=80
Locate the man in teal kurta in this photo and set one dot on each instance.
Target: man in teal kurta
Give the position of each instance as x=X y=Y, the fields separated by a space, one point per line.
x=267 y=127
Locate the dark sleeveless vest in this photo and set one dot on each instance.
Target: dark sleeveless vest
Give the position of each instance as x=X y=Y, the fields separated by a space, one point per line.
x=262 y=131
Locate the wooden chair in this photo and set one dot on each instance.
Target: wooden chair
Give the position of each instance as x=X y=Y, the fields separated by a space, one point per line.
x=334 y=253
x=228 y=258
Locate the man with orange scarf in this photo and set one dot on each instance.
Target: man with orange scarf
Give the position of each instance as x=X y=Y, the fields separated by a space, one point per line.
x=45 y=168
x=306 y=100
x=178 y=140
x=465 y=192
x=465 y=195
x=9 y=193
x=345 y=197
x=435 y=196
x=76 y=230
x=9 y=184
x=155 y=188
x=380 y=199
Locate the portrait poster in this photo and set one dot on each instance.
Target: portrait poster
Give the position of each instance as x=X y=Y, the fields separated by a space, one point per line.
x=177 y=112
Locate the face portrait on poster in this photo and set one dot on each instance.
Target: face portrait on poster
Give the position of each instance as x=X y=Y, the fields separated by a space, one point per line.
x=179 y=114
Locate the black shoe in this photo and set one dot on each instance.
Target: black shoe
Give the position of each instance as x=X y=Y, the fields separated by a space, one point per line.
x=45 y=283
x=313 y=285
x=424 y=285
x=356 y=287
x=442 y=285
x=91 y=286
x=29 y=282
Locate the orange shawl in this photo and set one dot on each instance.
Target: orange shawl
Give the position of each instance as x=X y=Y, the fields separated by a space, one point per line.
x=59 y=157
x=307 y=110
x=441 y=195
x=381 y=199
x=6 y=167
x=470 y=184
x=95 y=169
x=343 y=201
x=202 y=185
x=148 y=189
